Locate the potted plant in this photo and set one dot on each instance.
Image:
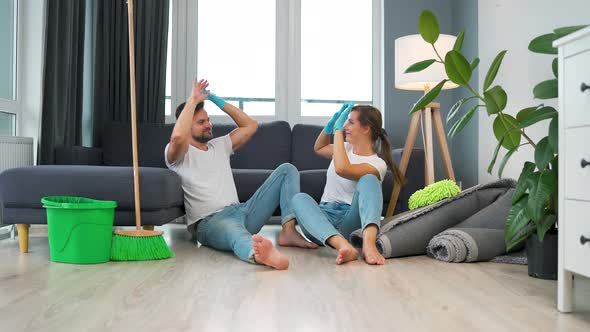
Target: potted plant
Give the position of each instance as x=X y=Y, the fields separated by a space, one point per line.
x=534 y=204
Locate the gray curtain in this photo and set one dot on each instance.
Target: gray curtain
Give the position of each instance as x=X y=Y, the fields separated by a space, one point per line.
x=111 y=69
x=61 y=114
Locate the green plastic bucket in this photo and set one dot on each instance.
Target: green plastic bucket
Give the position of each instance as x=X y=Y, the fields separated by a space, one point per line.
x=80 y=230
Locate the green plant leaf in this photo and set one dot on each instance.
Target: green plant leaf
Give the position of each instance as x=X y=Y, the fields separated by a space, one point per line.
x=525 y=113
x=530 y=118
x=455 y=109
x=428 y=27
x=543 y=44
x=427 y=98
x=553 y=139
x=554 y=67
x=544 y=225
x=495 y=99
x=457 y=67
x=493 y=71
x=505 y=126
x=474 y=64
x=516 y=223
x=546 y=89
x=521 y=184
x=459 y=125
x=459 y=41
x=495 y=156
x=563 y=31
x=543 y=153
x=541 y=185
x=505 y=160
x=554 y=165
x=419 y=66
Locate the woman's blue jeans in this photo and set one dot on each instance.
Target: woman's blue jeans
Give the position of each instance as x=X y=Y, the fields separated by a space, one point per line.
x=320 y=222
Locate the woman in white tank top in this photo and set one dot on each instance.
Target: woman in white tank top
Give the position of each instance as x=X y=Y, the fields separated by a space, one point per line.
x=352 y=196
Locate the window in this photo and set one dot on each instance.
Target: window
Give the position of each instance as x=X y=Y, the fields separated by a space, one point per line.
x=8 y=105
x=236 y=53
x=8 y=49
x=7 y=124
x=295 y=60
x=336 y=55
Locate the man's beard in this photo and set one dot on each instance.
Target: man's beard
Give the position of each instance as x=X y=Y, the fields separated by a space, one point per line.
x=203 y=138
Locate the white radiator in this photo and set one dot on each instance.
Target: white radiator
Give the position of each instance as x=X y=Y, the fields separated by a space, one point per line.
x=15 y=152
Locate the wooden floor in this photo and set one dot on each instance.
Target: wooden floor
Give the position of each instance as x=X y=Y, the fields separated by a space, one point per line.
x=204 y=290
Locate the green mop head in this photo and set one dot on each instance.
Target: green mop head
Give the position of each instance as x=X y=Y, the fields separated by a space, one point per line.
x=139 y=245
x=433 y=193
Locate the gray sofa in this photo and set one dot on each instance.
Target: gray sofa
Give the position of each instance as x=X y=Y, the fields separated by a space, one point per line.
x=105 y=173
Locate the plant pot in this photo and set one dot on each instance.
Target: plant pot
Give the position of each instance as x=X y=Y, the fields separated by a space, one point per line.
x=542 y=256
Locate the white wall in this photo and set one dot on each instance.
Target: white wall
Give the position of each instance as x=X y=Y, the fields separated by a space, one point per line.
x=510 y=25
x=31 y=54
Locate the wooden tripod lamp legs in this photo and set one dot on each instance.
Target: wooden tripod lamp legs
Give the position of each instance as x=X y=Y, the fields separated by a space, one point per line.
x=431 y=114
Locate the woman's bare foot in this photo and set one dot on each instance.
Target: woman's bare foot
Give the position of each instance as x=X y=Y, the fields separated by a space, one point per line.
x=265 y=253
x=370 y=252
x=290 y=237
x=372 y=255
x=347 y=254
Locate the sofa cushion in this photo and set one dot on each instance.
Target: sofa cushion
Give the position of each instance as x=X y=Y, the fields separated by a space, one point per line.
x=302 y=155
x=267 y=149
x=25 y=186
x=151 y=141
x=313 y=182
x=248 y=181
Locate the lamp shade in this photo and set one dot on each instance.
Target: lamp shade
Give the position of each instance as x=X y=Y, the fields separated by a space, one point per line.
x=411 y=49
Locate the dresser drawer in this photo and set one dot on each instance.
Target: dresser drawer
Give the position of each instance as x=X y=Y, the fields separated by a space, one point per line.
x=577 y=178
x=576 y=225
x=577 y=103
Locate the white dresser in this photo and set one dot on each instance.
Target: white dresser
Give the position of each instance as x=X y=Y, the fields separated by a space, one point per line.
x=574 y=163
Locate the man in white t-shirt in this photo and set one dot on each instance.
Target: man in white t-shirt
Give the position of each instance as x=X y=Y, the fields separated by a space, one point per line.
x=211 y=202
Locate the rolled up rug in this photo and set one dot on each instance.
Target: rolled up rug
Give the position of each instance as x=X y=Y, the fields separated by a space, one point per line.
x=458 y=245
x=409 y=233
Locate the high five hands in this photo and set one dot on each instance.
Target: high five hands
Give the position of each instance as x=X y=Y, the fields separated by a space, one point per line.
x=338 y=119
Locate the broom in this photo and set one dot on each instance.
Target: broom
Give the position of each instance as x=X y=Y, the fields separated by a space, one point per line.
x=137 y=244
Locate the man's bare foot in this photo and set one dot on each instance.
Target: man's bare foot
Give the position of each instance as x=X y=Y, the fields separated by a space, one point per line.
x=346 y=254
x=265 y=253
x=290 y=237
x=372 y=255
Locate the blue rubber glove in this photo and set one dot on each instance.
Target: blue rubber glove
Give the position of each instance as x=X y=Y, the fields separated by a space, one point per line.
x=329 y=128
x=339 y=124
x=216 y=100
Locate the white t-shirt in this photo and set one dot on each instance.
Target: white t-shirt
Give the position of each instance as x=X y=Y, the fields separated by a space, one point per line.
x=341 y=190
x=207 y=179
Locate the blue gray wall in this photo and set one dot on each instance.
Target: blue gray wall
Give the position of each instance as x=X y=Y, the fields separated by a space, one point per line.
x=464 y=148
x=401 y=19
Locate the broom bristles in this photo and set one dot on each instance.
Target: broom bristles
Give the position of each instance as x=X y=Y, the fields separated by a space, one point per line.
x=139 y=248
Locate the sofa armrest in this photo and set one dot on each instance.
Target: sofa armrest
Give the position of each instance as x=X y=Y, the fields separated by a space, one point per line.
x=414 y=179
x=78 y=155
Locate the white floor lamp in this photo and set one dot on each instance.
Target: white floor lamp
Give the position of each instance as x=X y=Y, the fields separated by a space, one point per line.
x=409 y=50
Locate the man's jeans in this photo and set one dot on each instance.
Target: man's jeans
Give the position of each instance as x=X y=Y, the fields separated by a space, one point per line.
x=231 y=229
x=320 y=222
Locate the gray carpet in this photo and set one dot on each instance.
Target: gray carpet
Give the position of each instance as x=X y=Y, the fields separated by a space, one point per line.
x=518 y=257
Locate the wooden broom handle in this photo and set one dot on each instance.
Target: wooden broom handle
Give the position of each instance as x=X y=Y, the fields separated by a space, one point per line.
x=133 y=115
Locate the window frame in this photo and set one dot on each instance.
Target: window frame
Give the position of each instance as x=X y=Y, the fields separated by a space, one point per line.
x=11 y=105
x=287 y=64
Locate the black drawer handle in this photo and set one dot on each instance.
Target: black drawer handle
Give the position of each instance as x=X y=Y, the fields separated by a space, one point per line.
x=584 y=163
x=584 y=239
x=584 y=87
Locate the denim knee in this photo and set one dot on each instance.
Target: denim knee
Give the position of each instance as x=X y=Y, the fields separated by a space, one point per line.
x=368 y=181
x=301 y=199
